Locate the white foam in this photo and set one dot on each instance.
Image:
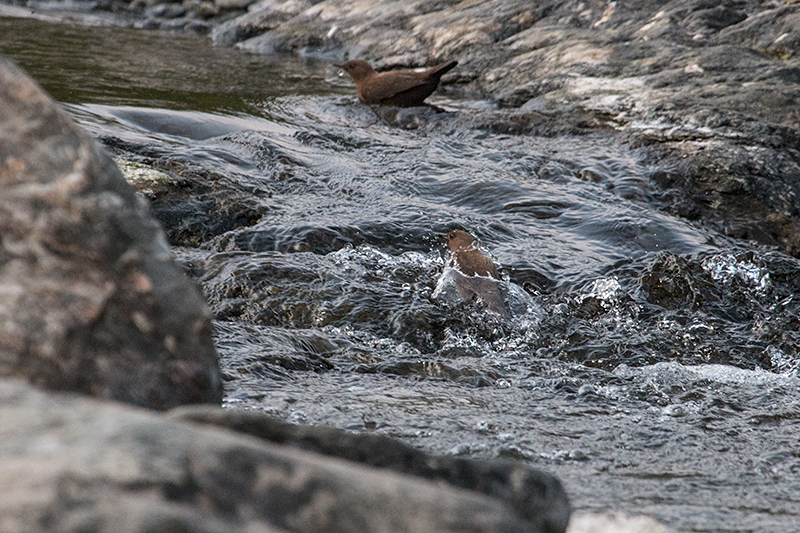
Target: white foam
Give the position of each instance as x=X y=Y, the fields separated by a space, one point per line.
x=726 y=267
x=726 y=374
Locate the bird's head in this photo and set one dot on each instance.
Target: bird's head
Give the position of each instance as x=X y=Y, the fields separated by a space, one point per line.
x=357 y=69
x=460 y=240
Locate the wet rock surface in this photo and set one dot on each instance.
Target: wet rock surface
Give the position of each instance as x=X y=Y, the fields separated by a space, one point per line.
x=92 y=298
x=76 y=464
x=709 y=88
x=690 y=105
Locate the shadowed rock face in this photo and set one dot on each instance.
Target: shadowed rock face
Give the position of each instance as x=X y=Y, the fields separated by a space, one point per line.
x=90 y=298
x=535 y=496
x=400 y=88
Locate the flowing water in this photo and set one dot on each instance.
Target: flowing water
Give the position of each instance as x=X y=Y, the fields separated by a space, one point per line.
x=648 y=362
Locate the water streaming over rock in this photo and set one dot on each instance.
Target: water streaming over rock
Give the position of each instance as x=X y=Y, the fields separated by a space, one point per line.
x=649 y=362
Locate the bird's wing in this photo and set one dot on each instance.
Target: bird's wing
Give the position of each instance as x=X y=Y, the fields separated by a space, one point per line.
x=474 y=263
x=401 y=83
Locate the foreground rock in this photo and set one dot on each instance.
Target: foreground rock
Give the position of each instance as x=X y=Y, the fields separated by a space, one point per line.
x=77 y=464
x=533 y=495
x=92 y=300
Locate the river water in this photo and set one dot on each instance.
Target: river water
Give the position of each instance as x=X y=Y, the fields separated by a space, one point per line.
x=649 y=362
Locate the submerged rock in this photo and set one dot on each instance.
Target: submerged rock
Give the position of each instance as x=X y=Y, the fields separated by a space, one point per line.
x=668 y=283
x=92 y=299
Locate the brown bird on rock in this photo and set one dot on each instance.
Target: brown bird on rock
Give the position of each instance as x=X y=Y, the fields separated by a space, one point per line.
x=402 y=88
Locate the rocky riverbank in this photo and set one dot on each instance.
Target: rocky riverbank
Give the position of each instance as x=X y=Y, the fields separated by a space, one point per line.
x=709 y=89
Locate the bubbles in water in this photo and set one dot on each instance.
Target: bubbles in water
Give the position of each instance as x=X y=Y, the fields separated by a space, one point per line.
x=726 y=268
x=366 y=257
x=564 y=455
x=679 y=410
x=607 y=290
x=466 y=448
x=298 y=417
x=446 y=290
x=781 y=362
x=672 y=373
x=522 y=305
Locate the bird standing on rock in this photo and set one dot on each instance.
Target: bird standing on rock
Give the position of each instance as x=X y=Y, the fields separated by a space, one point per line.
x=402 y=88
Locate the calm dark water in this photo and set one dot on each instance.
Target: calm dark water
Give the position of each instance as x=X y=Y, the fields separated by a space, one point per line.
x=648 y=362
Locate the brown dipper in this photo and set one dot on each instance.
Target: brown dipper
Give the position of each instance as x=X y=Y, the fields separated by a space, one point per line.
x=402 y=88
x=466 y=256
x=475 y=275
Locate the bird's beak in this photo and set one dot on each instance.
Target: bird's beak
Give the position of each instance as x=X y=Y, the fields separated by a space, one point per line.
x=338 y=66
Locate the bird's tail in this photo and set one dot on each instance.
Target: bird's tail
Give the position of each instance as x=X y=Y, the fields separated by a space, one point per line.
x=443 y=69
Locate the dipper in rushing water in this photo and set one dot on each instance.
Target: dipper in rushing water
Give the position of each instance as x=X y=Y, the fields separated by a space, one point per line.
x=402 y=88
x=466 y=256
x=474 y=274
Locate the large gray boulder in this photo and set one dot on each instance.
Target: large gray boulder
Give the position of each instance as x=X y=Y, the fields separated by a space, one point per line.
x=90 y=297
x=76 y=464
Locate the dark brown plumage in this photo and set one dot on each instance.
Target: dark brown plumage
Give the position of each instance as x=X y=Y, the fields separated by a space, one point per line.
x=466 y=256
x=402 y=88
